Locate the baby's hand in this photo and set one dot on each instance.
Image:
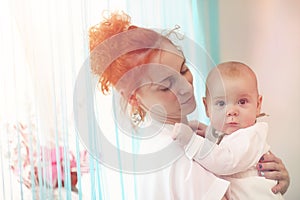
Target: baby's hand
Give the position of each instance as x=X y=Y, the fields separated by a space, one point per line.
x=182 y=133
x=198 y=127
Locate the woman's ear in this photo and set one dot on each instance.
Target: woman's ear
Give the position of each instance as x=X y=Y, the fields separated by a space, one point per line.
x=259 y=103
x=204 y=99
x=133 y=101
x=137 y=112
x=125 y=95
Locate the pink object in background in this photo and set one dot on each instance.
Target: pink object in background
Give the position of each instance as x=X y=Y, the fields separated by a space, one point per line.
x=22 y=143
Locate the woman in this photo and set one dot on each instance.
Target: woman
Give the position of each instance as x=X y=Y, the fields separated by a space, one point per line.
x=150 y=75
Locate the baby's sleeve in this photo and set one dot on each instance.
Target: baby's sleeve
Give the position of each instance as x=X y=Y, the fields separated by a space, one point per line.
x=237 y=152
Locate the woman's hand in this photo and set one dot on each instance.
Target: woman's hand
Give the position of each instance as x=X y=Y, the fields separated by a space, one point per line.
x=273 y=168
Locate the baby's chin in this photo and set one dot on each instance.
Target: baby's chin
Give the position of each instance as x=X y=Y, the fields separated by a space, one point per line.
x=230 y=130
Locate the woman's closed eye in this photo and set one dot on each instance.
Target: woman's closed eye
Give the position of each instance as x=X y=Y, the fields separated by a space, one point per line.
x=165 y=86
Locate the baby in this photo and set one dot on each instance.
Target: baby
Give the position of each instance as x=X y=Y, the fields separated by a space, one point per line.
x=234 y=141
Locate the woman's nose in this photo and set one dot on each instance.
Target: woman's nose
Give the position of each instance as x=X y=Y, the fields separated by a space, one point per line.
x=189 y=77
x=185 y=83
x=184 y=87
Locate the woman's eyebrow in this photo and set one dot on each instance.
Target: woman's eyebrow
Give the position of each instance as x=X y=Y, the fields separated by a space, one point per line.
x=182 y=64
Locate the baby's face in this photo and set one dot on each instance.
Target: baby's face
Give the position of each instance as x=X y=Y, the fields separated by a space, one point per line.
x=232 y=103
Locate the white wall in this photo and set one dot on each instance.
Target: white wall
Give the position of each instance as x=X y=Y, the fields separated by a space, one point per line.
x=266 y=36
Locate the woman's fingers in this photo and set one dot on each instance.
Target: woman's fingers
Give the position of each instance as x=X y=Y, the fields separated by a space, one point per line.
x=270 y=157
x=274 y=175
x=270 y=166
x=281 y=187
x=273 y=168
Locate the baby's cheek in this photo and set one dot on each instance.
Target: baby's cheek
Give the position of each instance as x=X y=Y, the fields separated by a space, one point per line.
x=248 y=122
x=217 y=120
x=218 y=125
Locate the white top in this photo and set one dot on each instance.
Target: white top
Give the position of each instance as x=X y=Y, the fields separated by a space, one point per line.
x=182 y=179
x=234 y=159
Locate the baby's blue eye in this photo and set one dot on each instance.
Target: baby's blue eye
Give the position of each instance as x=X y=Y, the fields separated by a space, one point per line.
x=220 y=103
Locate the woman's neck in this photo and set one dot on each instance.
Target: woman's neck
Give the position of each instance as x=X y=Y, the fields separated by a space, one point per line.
x=170 y=120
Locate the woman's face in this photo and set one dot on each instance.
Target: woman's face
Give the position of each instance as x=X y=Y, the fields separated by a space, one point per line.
x=169 y=95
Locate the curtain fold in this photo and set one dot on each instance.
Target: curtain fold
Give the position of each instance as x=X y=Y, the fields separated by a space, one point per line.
x=43 y=46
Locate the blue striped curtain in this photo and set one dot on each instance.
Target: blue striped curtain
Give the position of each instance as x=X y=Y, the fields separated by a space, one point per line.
x=43 y=46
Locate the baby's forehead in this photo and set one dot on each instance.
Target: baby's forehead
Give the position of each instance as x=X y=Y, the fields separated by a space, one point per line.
x=230 y=76
x=231 y=71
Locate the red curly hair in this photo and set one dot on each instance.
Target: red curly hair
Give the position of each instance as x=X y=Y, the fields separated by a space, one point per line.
x=113 y=25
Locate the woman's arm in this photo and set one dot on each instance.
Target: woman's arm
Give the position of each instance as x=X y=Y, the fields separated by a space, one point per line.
x=273 y=168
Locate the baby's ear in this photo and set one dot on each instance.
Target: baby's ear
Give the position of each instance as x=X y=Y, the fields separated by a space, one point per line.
x=259 y=103
x=204 y=100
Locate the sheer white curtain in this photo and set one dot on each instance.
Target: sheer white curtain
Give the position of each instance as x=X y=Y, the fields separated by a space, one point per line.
x=43 y=45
